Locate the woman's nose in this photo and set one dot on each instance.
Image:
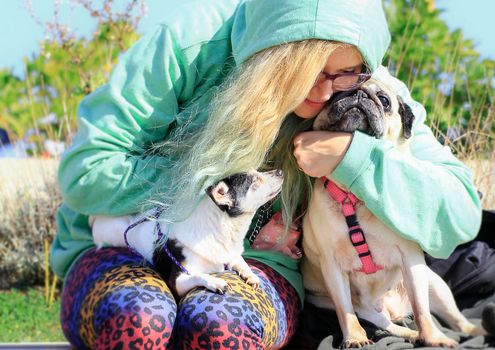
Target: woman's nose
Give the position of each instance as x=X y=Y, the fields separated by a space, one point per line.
x=325 y=90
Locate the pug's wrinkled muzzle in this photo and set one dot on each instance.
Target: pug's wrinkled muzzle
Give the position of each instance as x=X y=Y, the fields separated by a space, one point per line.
x=349 y=111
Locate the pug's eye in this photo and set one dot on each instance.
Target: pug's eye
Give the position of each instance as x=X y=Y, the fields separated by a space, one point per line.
x=384 y=101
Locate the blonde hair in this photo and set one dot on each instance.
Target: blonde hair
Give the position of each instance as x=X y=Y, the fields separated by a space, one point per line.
x=242 y=130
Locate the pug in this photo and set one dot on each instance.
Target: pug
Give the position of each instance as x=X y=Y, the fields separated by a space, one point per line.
x=354 y=263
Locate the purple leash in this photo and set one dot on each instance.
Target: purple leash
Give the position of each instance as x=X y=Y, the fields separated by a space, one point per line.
x=160 y=236
x=169 y=253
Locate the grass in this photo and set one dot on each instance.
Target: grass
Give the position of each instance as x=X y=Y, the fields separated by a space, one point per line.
x=27 y=318
x=484 y=179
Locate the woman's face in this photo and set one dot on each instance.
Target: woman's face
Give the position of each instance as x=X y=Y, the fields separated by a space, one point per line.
x=340 y=61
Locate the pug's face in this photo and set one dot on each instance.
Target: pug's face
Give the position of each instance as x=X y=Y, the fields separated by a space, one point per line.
x=373 y=109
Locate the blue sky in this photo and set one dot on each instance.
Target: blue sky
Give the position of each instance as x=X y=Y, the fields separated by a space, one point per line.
x=20 y=35
x=475 y=18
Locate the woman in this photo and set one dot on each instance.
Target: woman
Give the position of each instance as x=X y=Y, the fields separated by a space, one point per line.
x=215 y=86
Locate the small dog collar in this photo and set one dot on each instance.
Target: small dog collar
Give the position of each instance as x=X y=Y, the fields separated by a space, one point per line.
x=348 y=203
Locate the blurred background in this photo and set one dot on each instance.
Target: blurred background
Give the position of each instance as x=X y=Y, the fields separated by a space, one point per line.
x=54 y=52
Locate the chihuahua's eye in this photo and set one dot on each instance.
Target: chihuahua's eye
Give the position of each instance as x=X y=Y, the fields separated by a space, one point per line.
x=384 y=101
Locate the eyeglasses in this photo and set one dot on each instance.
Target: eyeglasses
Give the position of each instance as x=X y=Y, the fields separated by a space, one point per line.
x=343 y=81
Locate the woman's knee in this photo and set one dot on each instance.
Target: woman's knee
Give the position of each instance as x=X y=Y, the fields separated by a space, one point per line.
x=229 y=321
x=121 y=305
x=209 y=320
x=136 y=316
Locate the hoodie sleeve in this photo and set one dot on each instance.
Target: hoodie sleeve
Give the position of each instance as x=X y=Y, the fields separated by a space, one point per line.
x=427 y=197
x=106 y=171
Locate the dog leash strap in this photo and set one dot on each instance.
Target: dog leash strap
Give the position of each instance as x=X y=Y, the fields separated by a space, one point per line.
x=155 y=216
x=168 y=252
x=160 y=235
x=348 y=203
x=130 y=227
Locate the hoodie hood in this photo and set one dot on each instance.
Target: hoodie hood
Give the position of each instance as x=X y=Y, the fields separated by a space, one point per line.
x=259 y=24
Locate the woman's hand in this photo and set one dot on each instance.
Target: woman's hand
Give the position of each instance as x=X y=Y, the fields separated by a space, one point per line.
x=319 y=152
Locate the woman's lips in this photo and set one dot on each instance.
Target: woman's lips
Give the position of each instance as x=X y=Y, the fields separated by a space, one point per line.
x=314 y=103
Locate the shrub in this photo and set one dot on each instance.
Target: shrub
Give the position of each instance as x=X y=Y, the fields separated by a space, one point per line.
x=28 y=204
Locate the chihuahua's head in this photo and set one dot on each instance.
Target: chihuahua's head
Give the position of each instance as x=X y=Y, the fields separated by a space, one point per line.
x=244 y=193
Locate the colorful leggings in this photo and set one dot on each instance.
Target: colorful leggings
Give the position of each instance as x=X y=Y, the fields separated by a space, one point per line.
x=114 y=300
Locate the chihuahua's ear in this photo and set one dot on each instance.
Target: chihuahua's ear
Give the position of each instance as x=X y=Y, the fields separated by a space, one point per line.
x=407 y=118
x=219 y=193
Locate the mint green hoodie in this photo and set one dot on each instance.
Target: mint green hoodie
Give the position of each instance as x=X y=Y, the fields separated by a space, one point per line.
x=429 y=198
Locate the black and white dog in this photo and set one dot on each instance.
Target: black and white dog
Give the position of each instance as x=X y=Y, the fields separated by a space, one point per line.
x=208 y=241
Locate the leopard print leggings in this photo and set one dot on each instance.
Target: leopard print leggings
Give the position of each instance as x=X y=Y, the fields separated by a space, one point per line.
x=112 y=299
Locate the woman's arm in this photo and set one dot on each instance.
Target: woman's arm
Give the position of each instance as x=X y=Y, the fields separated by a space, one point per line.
x=106 y=170
x=160 y=87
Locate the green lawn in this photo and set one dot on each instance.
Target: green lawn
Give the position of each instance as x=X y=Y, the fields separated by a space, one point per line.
x=25 y=317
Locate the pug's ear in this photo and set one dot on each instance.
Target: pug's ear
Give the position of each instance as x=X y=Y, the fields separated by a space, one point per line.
x=219 y=193
x=407 y=117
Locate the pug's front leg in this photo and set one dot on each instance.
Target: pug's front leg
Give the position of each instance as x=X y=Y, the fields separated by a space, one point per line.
x=338 y=287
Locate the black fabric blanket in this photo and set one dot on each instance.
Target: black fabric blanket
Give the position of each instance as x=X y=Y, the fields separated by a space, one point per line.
x=319 y=330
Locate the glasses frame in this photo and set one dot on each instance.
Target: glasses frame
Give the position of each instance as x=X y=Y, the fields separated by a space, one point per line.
x=362 y=78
